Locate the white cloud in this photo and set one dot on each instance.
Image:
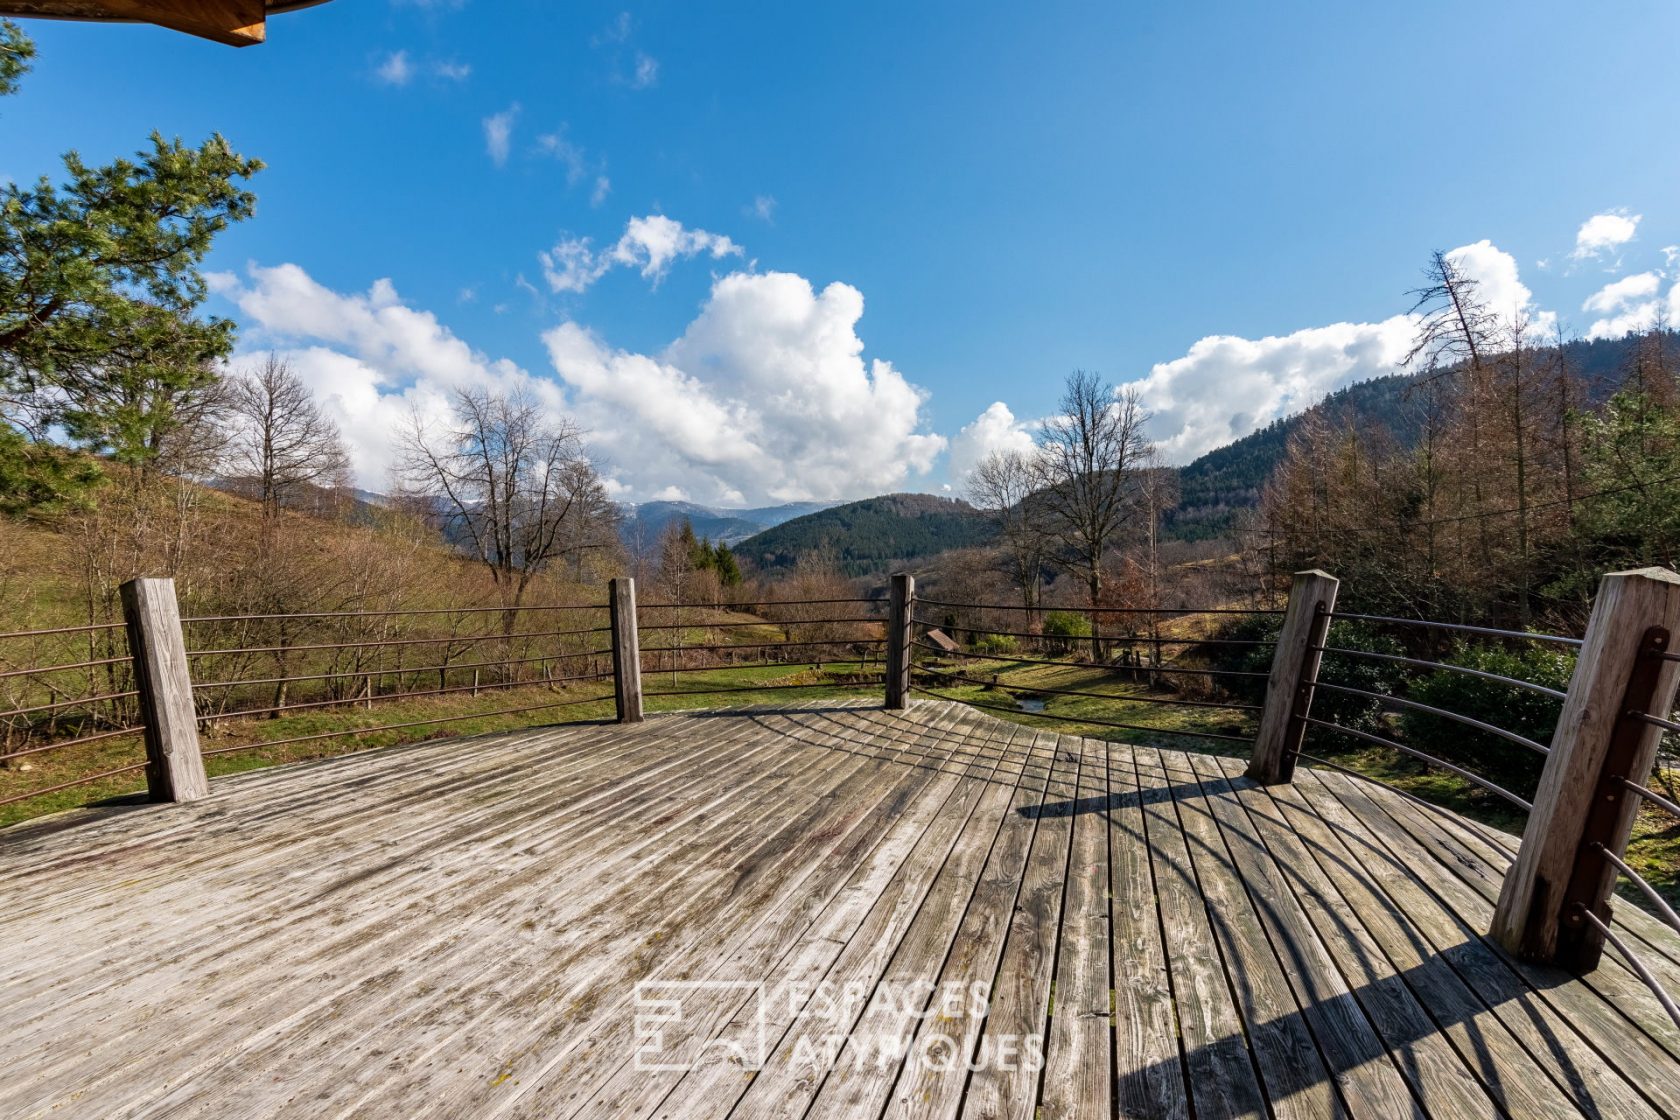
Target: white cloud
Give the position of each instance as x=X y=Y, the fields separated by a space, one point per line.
x=396 y=70
x=1603 y=233
x=1671 y=254
x=569 y=155
x=579 y=166
x=1627 y=305
x=995 y=429
x=452 y=71
x=1639 y=286
x=765 y=397
x=1226 y=386
x=1500 y=287
x=646 y=74
x=763 y=208
x=650 y=244
x=498 y=134
x=369 y=357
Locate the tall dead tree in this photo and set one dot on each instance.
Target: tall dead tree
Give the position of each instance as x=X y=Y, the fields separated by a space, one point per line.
x=1089 y=454
x=512 y=485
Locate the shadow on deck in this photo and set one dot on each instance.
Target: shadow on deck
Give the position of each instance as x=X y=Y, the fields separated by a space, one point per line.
x=805 y=911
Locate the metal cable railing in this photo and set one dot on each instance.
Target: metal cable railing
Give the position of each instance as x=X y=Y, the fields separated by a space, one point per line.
x=1634 y=962
x=1097 y=610
x=391 y=643
x=1457 y=627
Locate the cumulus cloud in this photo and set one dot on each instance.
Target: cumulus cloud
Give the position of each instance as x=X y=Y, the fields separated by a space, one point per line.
x=369 y=357
x=1604 y=233
x=1639 y=286
x=1226 y=386
x=649 y=244
x=1499 y=285
x=995 y=429
x=765 y=397
x=498 y=134
x=1629 y=304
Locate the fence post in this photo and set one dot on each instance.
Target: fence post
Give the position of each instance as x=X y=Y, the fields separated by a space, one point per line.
x=899 y=635
x=1582 y=806
x=626 y=650
x=174 y=766
x=1289 y=686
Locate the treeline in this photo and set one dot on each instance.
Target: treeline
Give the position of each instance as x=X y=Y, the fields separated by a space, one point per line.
x=1507 y=482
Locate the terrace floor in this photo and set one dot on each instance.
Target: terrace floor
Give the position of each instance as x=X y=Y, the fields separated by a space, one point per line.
x=836 y=911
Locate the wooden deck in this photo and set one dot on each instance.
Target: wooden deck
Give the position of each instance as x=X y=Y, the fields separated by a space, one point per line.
x=854 y=913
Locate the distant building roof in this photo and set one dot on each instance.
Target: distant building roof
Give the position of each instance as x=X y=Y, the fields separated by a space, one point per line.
x=238 y=23
x=943 y=641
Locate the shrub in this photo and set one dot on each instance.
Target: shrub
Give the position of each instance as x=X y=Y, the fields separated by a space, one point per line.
x=994 y=644
x=1367 y=674
x=1505 y=706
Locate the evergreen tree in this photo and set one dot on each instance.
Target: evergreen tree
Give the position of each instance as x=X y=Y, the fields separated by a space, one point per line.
x=100 y=292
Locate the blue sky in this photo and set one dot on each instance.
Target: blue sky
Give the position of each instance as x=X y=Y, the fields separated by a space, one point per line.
x=1222 y=202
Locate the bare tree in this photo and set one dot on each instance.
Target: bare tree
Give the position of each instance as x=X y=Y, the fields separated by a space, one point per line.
x=1089 y=456
x=282 y=442
x=512 y=485
x=1002 y=484
x=1454 y=327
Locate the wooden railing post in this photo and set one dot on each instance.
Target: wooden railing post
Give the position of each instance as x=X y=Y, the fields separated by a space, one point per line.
x=1289 y=687
x=1582 y=808
x=174 y=765
x=899 y=635
x=626 y=650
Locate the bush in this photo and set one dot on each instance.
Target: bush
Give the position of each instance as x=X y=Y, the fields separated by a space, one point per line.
x=994 y=644
x=1066 y=624
x=1367 y=674
x=1505 y=706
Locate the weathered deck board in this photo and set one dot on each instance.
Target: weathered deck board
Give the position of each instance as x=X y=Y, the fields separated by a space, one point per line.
x=459 y=929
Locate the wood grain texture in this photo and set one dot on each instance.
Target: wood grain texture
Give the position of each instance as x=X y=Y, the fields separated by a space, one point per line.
x=1534 y=918
x=626 y=649
x=1289 y=685
x=459 y=928
x=174 y=764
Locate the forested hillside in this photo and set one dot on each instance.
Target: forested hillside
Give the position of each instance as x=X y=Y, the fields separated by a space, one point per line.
x=871 y=536
x=1214 y=487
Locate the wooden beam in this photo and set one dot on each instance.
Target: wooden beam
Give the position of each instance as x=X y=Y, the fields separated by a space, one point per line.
x=174 y=765
x=626 y=650
x=238 y=23
x=900 y=631
x=1620 y=672
x=1289 y=687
